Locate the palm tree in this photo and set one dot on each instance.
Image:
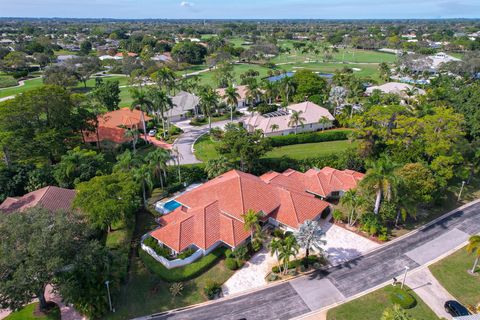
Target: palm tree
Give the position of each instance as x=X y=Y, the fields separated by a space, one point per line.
x=160 y=103
x=231 y=96
x=310 y=236
x=324 y=121
x=251 y=220
x=287 y=87
x=395 y=313
x=382 y=179
x=133 y=134
x=274 y=127
x=208 y=101
x=289 y=248
x=126 y=161
x=410 y=92
x=353 y=200
x=177 y=156
x=296 y=120
x=474 y=247
x=165 y=77
x=275 y=246
x=142 y=103
x=158 y=160
x=270 y=91
x=253 y=92
x=144 y=175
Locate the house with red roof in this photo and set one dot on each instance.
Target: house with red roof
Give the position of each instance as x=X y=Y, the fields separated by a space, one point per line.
x=211 y=215
x=112 y=125
x=51 y=198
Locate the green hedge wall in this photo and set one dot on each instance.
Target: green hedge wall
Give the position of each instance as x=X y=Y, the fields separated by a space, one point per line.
x=187 y=272
x=329 y=135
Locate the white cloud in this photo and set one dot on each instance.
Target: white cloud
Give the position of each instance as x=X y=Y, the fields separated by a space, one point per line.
x=186 y=4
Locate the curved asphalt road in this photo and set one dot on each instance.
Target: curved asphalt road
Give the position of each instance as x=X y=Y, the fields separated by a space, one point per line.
x=323 y=288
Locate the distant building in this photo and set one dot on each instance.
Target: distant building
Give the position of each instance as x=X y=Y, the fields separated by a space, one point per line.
x=183 y=104
x=395 y=88
x=277 y=123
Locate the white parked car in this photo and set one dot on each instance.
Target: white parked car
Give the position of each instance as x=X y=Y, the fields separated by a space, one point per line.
x=152 y=133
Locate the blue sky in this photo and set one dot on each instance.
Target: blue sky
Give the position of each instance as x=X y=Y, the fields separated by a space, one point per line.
x=301 y=9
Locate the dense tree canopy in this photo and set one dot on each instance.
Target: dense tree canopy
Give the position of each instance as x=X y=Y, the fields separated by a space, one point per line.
x=189 y=52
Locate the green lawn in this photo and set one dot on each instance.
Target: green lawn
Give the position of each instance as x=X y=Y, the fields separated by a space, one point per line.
x=144 y=293
x=451 y=272
x=27 y=313
x=205 y=149
x=372 y=305
x=361 y=70
x=38 y=82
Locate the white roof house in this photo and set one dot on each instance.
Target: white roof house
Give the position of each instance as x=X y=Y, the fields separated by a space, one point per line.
x=395 y=88
x=277 y=123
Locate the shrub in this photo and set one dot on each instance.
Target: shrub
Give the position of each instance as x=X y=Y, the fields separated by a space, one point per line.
x=7 y=82
x=312 y=259
x=272 y=277
x=337 y=215
x=229 y=253
x=311 y=137
x=185 y=254
x=292 y=272
x=187 y=272
x=157 y=247
x=231 y=264
x=257 y=245
x=402 y=298
x=198 y=121
x=265 y=108
x=279 y=233
x=212 y=289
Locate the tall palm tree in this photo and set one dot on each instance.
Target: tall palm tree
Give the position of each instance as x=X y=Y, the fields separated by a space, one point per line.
x=253 y=92
x=382 y=179
x=126 y=161
x=158 y=163
x=352 y=199
x=324 y=121
x=296 y=120
x=251 y=220
x=289 y=248
x=144 y=175
x=275 y=246
x=270 y=91
x=176 y=157
x=310 y=236
x=474 y=247
x=208 y=101
x=133 y=134
x=287 y=86
x=231 y=96
x=165 y=77
x=160 y=103
x=142 y=103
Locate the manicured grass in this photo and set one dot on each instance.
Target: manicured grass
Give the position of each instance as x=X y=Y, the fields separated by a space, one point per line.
x=308 y=150
x=366 y=70
x=205 y=149
x=372 y=305
x=451 y=272
x=145 y=293
x=28 y=313
x=29 y=85
x=7 y=81
x=38 y=82
x=207 y=78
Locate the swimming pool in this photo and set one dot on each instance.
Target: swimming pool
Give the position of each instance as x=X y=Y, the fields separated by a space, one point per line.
x=171 y=205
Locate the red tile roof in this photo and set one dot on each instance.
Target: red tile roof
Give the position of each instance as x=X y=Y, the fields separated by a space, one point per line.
x=51 y=198
x=213 y=212
x=110 y=123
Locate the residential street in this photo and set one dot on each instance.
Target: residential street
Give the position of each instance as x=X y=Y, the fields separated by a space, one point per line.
x=323 y=288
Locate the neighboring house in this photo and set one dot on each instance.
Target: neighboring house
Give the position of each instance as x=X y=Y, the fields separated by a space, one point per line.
x=107 y=57
x=211 y=215
x=395 y=88
x=164 y=57
x=277 y=123
x=112 y=125
x=184 y=103
x=120 y=55
x=432 y=63
x=61 y=59
x=51 y=198
x=242 y=92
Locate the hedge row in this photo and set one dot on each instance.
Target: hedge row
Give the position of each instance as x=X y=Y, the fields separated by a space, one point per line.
x=402 y=298
x=185 y=273
x=329 y=135
x=297 y=263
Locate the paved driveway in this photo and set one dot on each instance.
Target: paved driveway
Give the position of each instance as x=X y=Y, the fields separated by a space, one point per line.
x=287 y=300
x=427 y=287
x=184 y=143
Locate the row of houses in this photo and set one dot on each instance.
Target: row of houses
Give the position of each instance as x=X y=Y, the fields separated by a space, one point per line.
x=211 y=215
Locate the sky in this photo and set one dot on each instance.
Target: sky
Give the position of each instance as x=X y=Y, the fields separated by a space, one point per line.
x=242 y=9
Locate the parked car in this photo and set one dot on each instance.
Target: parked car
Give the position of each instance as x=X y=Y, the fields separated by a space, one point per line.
x=455 y=309
x=152 y=133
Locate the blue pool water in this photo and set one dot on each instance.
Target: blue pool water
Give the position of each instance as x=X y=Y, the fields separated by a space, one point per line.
x=171 y=205
x=279 y=77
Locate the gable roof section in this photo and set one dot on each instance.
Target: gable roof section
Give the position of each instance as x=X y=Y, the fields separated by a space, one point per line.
x=183 y=102
x=51 y=198
x=327 y=180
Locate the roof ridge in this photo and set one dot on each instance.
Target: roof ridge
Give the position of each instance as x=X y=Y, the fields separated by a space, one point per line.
x=44 y=193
